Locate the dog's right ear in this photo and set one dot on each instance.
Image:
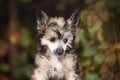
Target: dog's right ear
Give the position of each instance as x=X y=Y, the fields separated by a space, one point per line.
x=42 y=18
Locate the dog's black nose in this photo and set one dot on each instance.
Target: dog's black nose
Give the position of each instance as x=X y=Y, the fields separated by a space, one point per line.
x=59 y=51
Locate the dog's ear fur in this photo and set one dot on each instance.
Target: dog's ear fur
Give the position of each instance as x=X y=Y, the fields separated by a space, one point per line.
x=74 y=20
x=42 y=18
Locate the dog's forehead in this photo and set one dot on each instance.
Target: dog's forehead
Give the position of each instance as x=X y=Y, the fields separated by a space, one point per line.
x=59 y=21
x=57 y=27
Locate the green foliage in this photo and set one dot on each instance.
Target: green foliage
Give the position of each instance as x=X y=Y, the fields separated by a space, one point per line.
x=4 y=67
x=63 y=4
x=98 y=57
x=25 y=40
x=89 y=52
x=22 y=67
x=92 y=76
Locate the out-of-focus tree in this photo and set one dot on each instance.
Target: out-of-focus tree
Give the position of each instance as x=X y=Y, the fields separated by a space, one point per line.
x=16 y=44
x=100 y=40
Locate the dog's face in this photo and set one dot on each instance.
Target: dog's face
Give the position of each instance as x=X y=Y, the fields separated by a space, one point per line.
x=56 y=34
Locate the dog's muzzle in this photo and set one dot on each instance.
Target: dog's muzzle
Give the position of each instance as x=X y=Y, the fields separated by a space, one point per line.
x=59 y=51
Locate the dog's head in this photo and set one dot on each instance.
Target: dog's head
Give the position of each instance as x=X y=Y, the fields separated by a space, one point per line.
x=56 y=34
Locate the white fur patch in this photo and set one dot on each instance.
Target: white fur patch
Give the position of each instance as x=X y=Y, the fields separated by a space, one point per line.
x=53 y=67
x=51 y=45
x=60 y=21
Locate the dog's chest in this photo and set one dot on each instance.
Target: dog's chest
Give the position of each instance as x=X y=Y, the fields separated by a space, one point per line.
x=56 y=68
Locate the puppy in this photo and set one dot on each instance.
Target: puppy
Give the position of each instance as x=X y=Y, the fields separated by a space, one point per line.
x=56 y=58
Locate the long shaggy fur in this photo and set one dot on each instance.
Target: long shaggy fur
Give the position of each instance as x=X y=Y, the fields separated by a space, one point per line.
x=56 y=58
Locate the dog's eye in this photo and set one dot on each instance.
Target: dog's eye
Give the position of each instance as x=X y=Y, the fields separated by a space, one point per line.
x=65 y=40
x=52 y=39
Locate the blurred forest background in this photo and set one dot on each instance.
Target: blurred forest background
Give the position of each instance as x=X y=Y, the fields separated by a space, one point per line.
x=97 y=41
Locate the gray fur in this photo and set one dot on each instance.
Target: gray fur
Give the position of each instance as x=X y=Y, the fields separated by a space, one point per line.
x=57 y=34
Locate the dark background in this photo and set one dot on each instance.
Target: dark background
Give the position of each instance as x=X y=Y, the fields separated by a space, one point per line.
x=97 y=41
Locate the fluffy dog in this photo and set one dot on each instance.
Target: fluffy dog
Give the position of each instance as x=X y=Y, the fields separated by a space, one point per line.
x=56 y=58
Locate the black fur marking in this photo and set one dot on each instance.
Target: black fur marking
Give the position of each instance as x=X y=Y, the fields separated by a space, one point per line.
x=65 y=26
x=77 y=71
x=68 y=49
x=52 y=24
x=43 y=49
x=75 y=18
x=40 y=35
x=52 y=39
x=58 y=33
x=39 y=48
x=41 y=17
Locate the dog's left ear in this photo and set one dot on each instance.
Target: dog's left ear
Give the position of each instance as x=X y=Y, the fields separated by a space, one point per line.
x=42 y=18
x=74 y=20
